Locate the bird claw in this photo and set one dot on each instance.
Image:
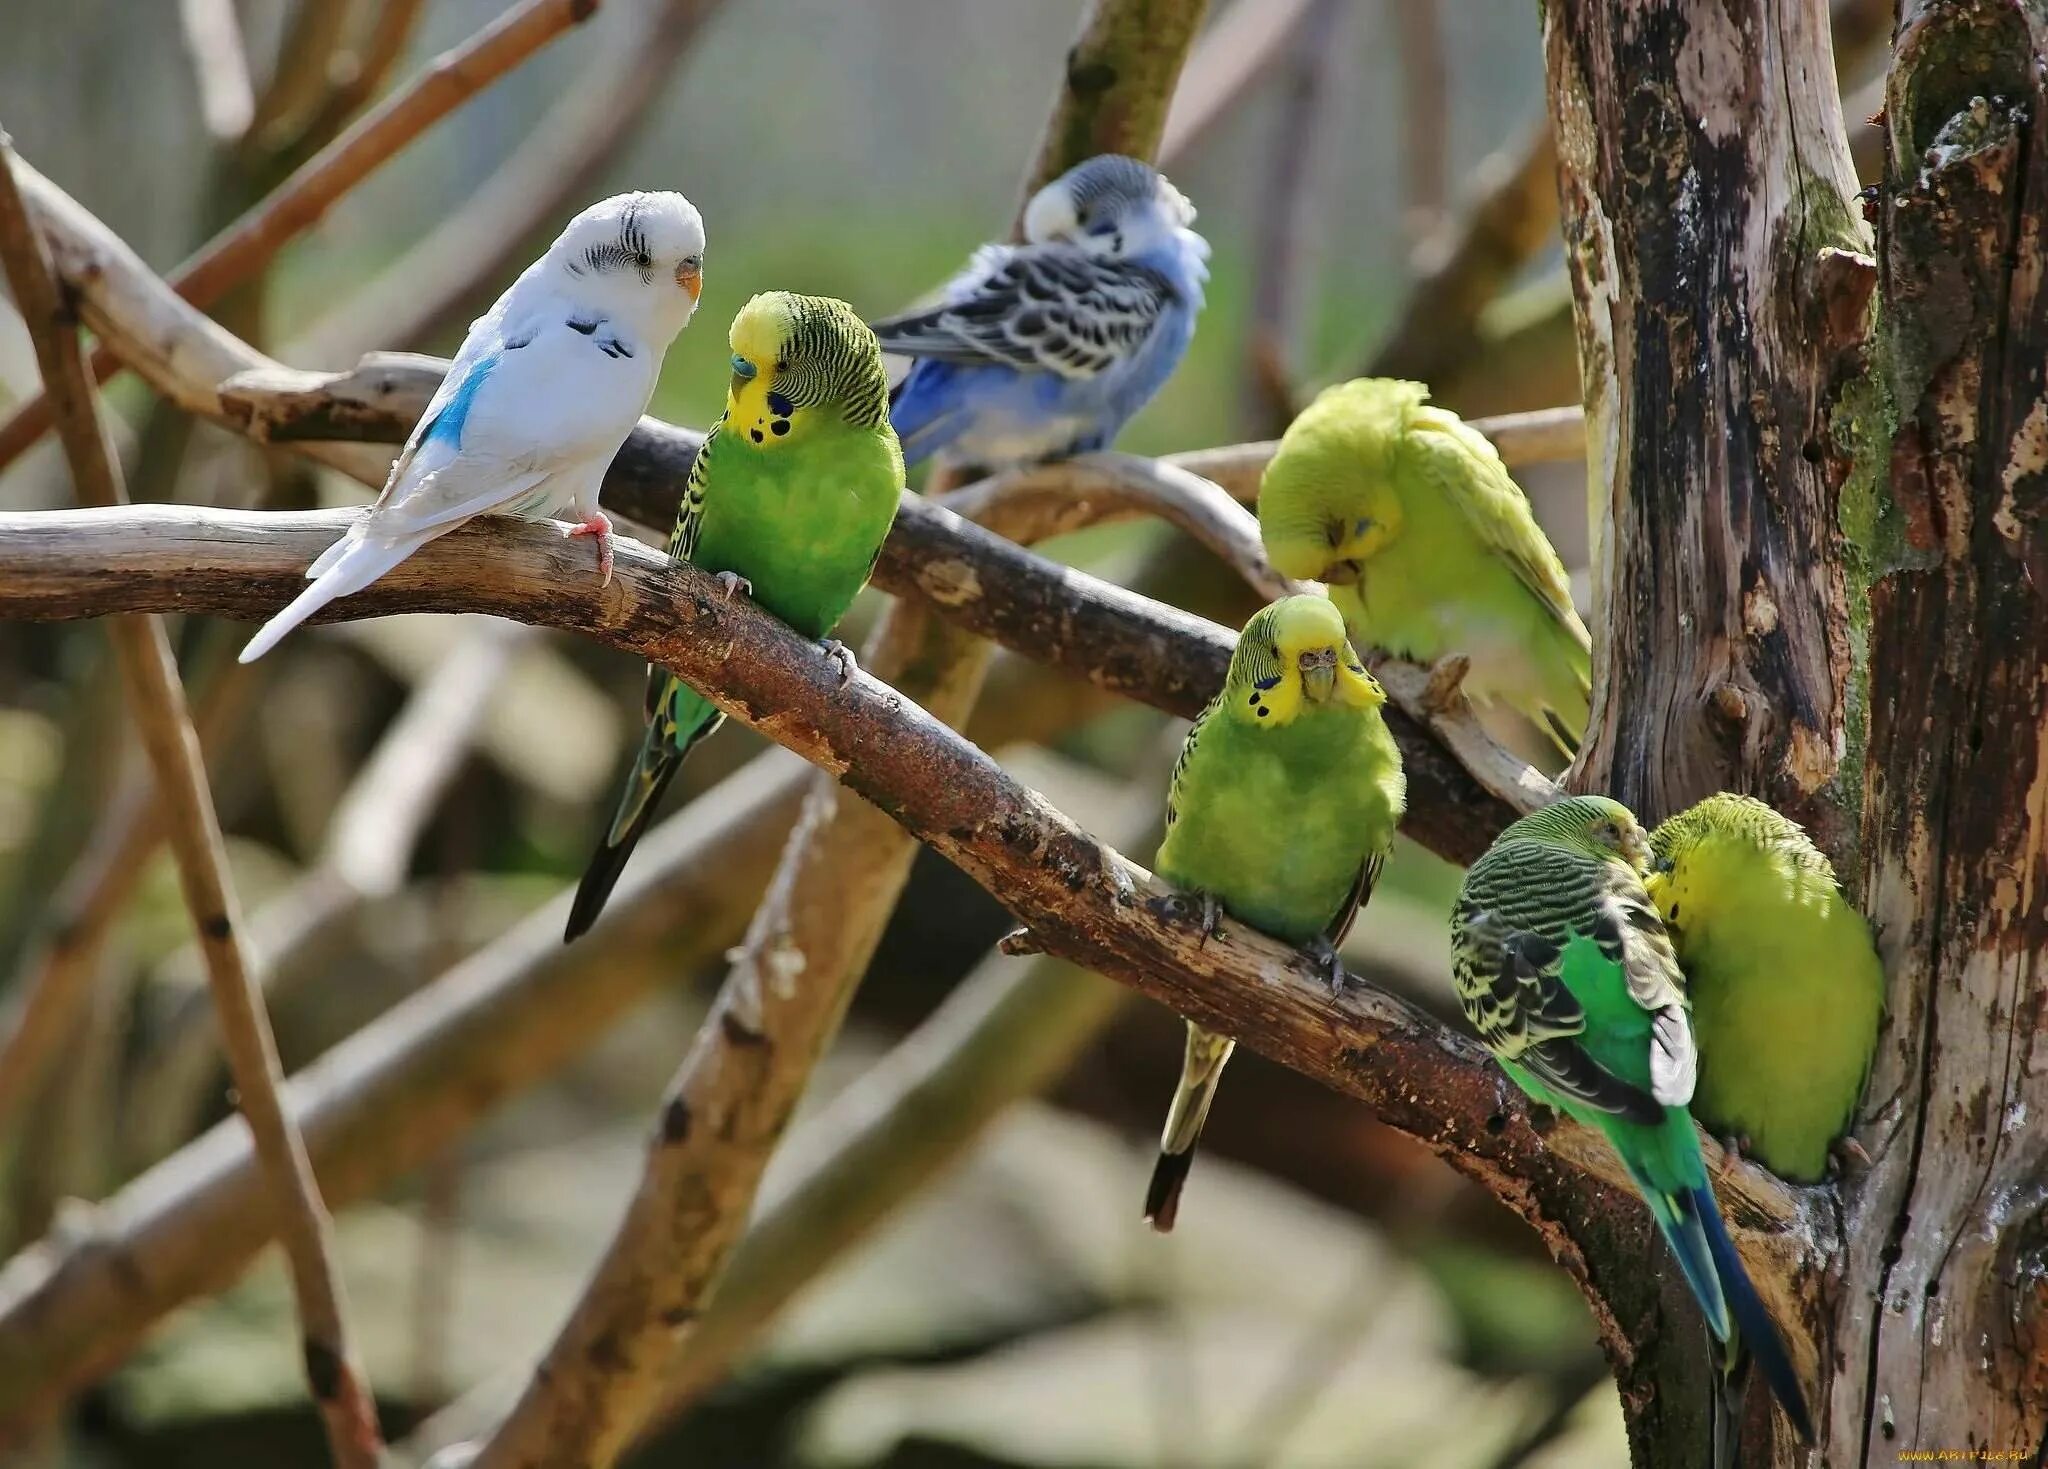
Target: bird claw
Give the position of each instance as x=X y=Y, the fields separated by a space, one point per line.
x=1206 y=911
x=1846 y=1155
x=598 y=524
x=1445 y=690
x=1734 y=1149
x=839 y=653
x=1330 y=962
x=734 y=584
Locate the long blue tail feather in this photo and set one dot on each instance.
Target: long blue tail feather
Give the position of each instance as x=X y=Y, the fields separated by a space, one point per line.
x=1759 y=1334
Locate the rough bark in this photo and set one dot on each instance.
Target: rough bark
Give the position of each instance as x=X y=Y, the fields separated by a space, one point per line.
x=1704 y=177
x=1720 y=286
x=1949 y=1233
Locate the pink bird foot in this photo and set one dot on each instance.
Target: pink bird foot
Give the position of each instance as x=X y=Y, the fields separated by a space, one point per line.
x=598 y=524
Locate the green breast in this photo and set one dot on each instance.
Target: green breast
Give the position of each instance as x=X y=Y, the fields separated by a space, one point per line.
x=1277 y=822
x=802 y=522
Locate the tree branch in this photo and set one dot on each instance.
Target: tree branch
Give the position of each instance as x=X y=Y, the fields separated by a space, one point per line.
x=213 y=39
x=156 y=701
x=244 y=246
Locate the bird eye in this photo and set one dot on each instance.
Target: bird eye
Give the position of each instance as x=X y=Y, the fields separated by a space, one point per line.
x=644 y=260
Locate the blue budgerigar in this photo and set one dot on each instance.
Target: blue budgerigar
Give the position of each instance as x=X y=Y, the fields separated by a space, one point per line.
x=1046 y=349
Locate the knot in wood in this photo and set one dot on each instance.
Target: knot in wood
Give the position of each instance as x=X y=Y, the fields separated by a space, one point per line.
x=1731 y=704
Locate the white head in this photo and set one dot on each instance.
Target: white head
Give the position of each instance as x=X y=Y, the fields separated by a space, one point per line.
x=638 y=257
x=1110 y=205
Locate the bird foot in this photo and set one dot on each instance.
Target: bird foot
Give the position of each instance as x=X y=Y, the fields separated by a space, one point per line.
x=839 y=653
x=1734 y=1148
x=598 y=524
x=1206 y=911
x=1329 y=962
x=734 y=584
x=1445 y=691
x=1847 y=1156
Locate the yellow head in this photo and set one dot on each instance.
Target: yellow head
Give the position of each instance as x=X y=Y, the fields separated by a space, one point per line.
x=1293 y=656
x=1330 y=499
x=799 y=364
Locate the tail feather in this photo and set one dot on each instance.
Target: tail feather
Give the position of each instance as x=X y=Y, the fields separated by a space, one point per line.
x=1679 y=1221
x=1758 y=1333
x=1731 y=1387
x=1201 y=1072
x=667 y=744
x=358 y=563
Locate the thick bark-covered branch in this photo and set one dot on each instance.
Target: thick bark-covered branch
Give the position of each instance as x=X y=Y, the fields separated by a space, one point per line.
x=1080 y=900
x=1718 y=290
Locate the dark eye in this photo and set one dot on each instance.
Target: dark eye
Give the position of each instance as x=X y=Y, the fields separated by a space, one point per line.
x=644 y=260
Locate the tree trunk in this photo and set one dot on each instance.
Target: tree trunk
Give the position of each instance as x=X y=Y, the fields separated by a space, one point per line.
x=1740 y=418
x=1948 y=1232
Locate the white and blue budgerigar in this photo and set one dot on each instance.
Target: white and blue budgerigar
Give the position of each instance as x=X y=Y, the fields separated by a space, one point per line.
x=1044 y=350
x=547 y=386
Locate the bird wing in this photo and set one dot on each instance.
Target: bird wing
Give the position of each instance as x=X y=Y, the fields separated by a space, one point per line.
x=1187 y=750
x=1533 y=943
x=528 y=401
x=1361 y=892
x=1467 y=470
x=1043 y=308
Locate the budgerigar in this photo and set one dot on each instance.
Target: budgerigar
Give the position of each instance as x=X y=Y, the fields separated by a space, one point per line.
x=1567 y=973
x=546 y=387
x=1430 y=550
x=789 y=501
x=1282 y=810
x=1044 y=350
x=1786 y=986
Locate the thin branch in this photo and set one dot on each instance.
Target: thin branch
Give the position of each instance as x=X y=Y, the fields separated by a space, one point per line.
x=1239 y=48
x=1080 y=900
x=370 y=843
x=355 y=76
x=220 y=64
x=1006 y=1032
x=1514 y=216
x=164 y=724
x=244 y=246
x=1425 y=113
x=299 y=82
x=1285 y=214
x=436 y=282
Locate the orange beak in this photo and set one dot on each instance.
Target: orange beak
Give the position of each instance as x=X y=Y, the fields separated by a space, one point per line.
x=690 y=278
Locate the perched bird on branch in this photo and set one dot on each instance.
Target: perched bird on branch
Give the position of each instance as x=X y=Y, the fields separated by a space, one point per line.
x=548 y=384
x=1431 y=552
x=1282 y=811
x=1044 y=350
x=789 y=501
x=1568 y=974
x=1787 y=990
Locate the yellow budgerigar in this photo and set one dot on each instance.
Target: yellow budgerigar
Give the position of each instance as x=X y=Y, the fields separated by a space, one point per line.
x=1431 y=552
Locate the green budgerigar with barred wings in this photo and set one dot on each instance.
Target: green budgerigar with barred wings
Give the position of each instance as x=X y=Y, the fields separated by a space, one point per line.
x=1431 y=552
x=789 y=501
x=1282 y=811
x=1566 y=971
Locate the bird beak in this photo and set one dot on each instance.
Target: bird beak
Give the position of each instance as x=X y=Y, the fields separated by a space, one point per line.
x=1635 y=849
x=1318 y=674
x=1340 y=574
x=691 y=278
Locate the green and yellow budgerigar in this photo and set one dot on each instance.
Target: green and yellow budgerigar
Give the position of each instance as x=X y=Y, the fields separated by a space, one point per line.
x=789 y=500
x=1787 y=990
x=1282 y=810
x=1567 y=973
x=1430 y=551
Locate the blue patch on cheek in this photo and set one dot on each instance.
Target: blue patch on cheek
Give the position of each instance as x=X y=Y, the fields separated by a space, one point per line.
x=1360 y=526
x=778 y=405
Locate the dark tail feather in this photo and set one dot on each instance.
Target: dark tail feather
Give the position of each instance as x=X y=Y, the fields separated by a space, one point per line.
x=1162 y=1196
x=1752 y=1321
x=652 y=771
x=1731 y=1387
x=1556 y=729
